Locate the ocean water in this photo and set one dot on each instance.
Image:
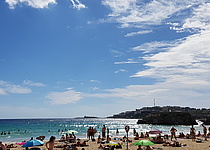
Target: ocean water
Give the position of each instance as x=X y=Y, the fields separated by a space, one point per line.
x=24 y=129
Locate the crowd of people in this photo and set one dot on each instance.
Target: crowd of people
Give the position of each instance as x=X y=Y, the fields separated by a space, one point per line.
x=6 y=146
x=164 y=139
x=71 y=142
x=71 y=138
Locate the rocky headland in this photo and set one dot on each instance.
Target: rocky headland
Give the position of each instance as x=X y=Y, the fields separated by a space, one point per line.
x=167 y=115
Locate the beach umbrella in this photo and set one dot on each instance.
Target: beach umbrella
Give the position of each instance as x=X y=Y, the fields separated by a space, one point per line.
x=155 y=131
x=33 y=143
x=143 y=143
x=21 y=143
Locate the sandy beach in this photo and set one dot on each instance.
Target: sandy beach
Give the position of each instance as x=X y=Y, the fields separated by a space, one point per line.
x=191 y=145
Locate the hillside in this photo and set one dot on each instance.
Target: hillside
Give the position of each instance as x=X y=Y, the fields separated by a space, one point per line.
x=167 y=115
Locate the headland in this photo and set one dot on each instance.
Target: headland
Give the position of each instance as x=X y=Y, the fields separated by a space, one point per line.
x=167 y=115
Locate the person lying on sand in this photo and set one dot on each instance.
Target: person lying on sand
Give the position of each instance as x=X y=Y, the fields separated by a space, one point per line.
x=148 y=148
x=100 y=147
x=2 y=146
x=158 y=139
x=73 y=148
x=10 y=146
x=83 y=144
x=181 y=135
x=174 y=144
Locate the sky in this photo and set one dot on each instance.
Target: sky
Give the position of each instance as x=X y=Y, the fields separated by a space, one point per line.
x=71 y=58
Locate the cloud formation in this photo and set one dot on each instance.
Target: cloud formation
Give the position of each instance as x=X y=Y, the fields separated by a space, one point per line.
x=42 y=3
x=120 y=70
x=186 y=63
x=95 y=81
x=156 y=46
x=32 y=3
x=6 y=88
x=132 y=13
x=77 y=4
x=198 y=21
x=31 y=83
x=67 y=97
x=181 y=67
x=138 y=33
x=129 y=61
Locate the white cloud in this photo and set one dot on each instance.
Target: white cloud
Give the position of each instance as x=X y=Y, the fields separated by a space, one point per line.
x=31 y=83
x=12 y=3
x=133 y=13
x=188 y=62
x=95 y=81
x=180 y=67
x=7 y=87
x=95 y=88
x=67 y=97
x=32 y=3
x=129 y=61
x=156 y=46
x=165 y=93
x=120 y=70
x=2 y=92
x=77 y=4
x=198 y=21
x=131 y=92
x=138 y=33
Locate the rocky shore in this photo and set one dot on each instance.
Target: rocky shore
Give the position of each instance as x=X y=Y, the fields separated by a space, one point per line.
x=167 y=115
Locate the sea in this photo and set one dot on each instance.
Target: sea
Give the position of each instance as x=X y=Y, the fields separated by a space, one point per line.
x=23 y=129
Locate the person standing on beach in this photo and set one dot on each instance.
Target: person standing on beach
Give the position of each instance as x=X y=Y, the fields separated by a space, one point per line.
x=94 y=132
x=2 y=146
x=50 y=143
x=208 y=132
x=104 y=131
x=204 y=132
x=192 y=133
x=173 y=133
x=134 y=131
x=117 y=132
x=88 y=133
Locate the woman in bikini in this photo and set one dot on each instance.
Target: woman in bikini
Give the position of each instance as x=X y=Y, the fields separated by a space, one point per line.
x=50 y=143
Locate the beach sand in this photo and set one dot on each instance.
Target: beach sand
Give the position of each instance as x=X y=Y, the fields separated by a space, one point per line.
x=204 y=145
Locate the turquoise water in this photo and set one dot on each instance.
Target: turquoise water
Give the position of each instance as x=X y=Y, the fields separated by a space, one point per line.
x=35 y=127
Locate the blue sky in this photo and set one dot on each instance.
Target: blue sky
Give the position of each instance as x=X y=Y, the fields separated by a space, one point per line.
x=72 y=58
